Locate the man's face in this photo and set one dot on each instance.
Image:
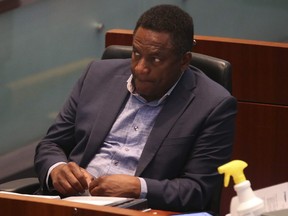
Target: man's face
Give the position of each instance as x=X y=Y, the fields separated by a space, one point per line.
x=155 y=66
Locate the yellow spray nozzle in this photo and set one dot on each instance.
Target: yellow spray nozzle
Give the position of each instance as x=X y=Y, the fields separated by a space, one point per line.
x=235 y=169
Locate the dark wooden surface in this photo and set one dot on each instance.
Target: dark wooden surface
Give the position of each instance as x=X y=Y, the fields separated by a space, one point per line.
x=260 y=84
x=13 y=205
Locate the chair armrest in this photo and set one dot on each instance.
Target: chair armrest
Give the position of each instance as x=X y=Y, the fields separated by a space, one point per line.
x=23 y=186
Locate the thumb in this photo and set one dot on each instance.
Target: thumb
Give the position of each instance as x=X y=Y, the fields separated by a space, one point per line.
x=87 y=175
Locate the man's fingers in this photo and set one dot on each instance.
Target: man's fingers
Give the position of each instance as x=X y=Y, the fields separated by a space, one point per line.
x=89 y=178
x=98 y=190
x=69 y=179
x=116 y=185
x=93 y=187
x=77 y=179
x=65 y=188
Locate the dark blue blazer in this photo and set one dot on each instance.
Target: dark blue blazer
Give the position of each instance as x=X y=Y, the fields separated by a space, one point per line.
x=192 y=135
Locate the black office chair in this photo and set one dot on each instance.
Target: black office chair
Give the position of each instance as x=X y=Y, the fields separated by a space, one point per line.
x=217 y=69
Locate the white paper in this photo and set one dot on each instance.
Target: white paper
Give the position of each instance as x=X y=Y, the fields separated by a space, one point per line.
x=274 y=197
x=29 y=195
x=95 y=200
x=98 y=200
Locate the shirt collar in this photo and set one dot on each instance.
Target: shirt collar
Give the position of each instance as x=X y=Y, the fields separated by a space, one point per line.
x=131 y=89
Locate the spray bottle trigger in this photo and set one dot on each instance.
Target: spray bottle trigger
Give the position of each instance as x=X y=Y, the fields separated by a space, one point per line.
x=227 y=175
x=226 y=179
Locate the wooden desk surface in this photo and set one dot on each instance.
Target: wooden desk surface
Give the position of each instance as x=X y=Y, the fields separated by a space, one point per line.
x=25 y=206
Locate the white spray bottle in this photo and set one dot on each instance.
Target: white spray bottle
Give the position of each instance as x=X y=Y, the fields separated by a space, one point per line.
x=249 y=204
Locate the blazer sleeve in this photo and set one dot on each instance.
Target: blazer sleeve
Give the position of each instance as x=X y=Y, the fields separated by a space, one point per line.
x=59 y=140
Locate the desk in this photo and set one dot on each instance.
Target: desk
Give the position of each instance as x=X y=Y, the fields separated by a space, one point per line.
x=12 y=205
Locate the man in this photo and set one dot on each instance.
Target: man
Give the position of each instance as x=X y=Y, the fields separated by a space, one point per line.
x=159 y=133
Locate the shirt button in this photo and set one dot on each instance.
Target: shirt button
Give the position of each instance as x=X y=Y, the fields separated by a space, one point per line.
x=136 y=128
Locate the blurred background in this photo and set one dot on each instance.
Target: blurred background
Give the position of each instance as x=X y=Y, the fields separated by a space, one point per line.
x=46 y=44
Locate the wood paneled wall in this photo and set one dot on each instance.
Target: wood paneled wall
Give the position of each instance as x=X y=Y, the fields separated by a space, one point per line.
x=260 y=84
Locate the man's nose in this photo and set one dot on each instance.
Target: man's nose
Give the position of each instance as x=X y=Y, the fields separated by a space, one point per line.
x=141 y=66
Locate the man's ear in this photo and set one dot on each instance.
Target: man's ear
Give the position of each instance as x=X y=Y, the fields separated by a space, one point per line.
x=186 y=60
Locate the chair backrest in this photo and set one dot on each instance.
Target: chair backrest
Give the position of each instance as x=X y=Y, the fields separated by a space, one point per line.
x=216 y=69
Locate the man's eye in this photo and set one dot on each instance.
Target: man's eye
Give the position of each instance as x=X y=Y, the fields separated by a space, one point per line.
x=156 y=60
x=136 y=53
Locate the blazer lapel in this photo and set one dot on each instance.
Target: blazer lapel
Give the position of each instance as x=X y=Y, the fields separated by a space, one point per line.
x=175 y=105
x=110 y=108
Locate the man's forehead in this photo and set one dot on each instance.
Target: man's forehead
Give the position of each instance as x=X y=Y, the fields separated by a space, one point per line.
x=152 y=47
x=155 y=42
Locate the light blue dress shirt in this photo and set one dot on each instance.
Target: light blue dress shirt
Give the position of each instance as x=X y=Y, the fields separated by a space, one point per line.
x=125 y=142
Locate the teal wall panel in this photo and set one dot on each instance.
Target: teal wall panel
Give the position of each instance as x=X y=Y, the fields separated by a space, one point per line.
x=45 y=45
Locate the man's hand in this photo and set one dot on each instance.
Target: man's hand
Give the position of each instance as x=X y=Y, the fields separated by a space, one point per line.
x=70 y=179
x=116 y=185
